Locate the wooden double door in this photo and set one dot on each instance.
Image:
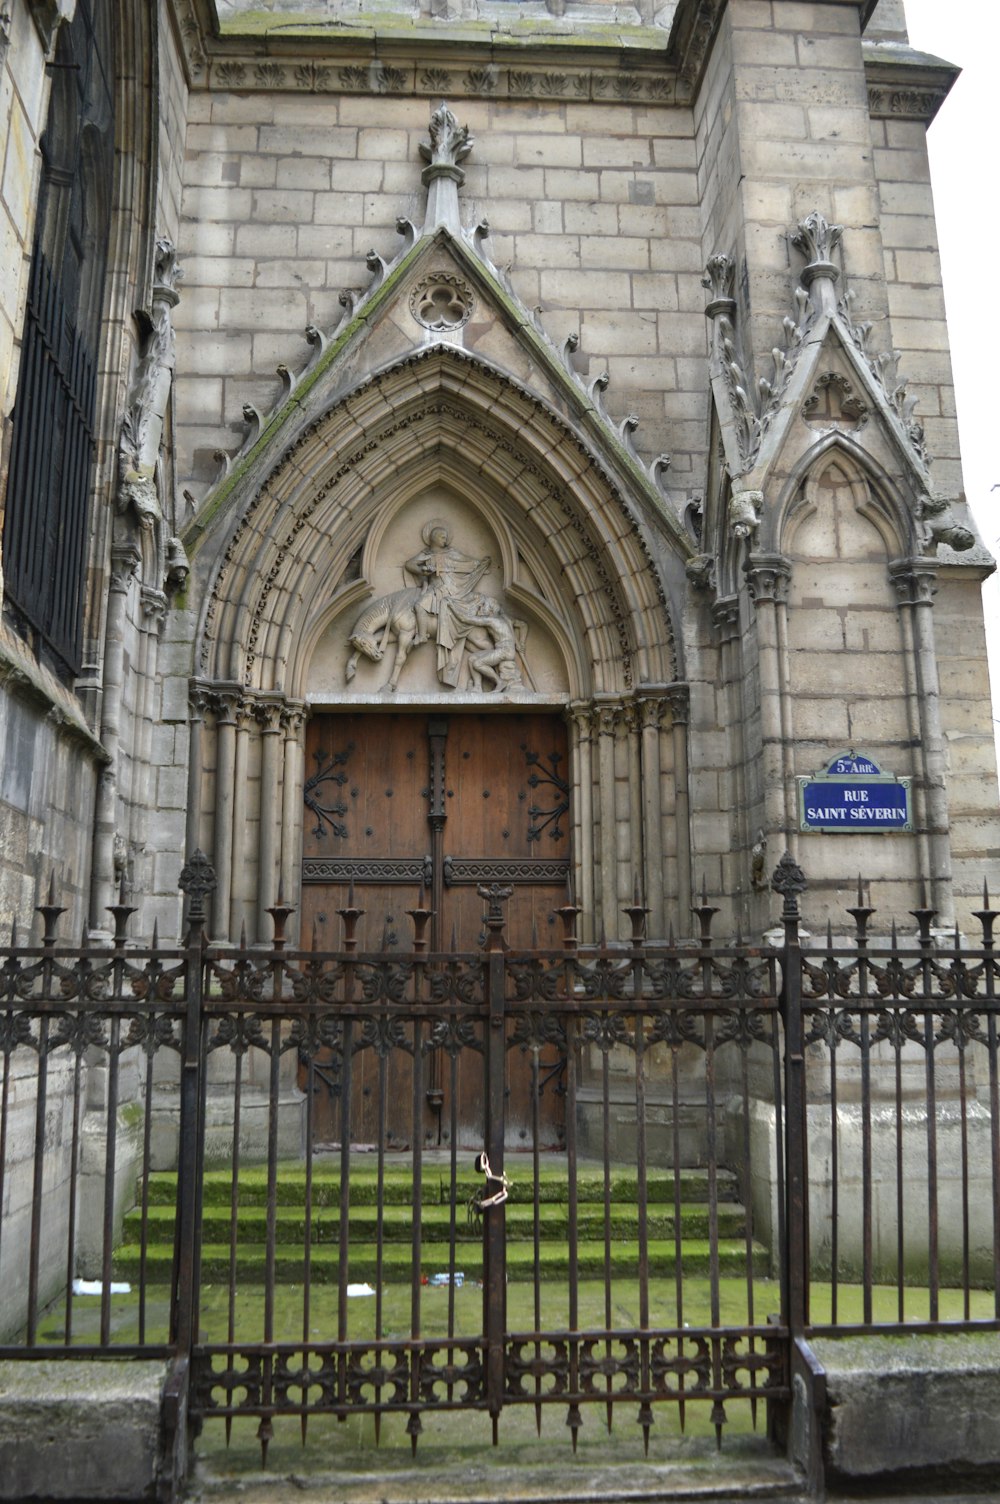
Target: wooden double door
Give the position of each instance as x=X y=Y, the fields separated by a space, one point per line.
x=400 y=803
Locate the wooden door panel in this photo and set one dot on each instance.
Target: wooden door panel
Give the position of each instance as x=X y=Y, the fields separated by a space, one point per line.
x=373 y=797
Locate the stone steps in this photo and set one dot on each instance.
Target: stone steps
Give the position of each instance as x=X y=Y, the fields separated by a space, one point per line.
x=440 y=1204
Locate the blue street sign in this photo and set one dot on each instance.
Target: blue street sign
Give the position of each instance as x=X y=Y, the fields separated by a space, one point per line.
x=852 y=795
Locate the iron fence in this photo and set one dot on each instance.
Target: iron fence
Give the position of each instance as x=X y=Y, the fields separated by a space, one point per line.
x=575 y=1179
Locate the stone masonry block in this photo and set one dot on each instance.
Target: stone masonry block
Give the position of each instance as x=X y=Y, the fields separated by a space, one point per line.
x=898 y=1406
x=586 y=289
x=616 y=151
x=258 y=172
x=217 y=203
x=302 y=141
x=217 y=138
x=563 y=184
x=302 y=172
x=69 y=1429
x=282 y=206
x=591 y=219
x=266 y=240
x=547 y=250
x=548 y=151
x=355 y=177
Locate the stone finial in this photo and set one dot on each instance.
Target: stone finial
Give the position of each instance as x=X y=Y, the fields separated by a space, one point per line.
x=720 y=275
x=449 y=144
x=817 y=239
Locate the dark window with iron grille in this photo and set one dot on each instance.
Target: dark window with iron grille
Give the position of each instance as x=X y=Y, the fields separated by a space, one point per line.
x=52 y=451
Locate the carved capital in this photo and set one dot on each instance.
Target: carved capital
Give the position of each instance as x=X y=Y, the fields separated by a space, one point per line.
x=651 y=712
x=226 y=703
x=154 y=605
x=200 y=700
x=580 y=714
x=767 y=577
x=606 y=718
x=293 y=718
x=125 y=560
x=914 y=580
x=726 y=618
x=267 y=715
x=678 y=698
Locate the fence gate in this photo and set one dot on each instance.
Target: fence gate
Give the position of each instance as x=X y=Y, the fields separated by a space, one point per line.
x=164 y=1194
x=617 y=1267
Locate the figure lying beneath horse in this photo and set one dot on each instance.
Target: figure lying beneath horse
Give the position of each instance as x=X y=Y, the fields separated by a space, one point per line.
x=475 y=632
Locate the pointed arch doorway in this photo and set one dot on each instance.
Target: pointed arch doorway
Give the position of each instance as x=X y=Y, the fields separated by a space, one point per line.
x=418 y=808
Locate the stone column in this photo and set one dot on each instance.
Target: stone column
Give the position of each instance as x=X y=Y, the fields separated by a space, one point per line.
x=200 y=702
x=226 y=700
x=632 y=732
x=580 y=720
x=125 y=560
x=679 y=700
x=767 y=578
x=267 y=714
x=606 y=721
x=650 y=714
x=144 y=796
x=915 y=581
x=293 y=722
x=239 y=849
x=726 y=621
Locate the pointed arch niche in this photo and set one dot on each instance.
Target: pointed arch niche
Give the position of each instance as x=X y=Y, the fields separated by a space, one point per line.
x=291 y=555
x=844 y=636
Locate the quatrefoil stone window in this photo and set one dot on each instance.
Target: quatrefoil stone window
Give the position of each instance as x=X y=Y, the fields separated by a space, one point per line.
x=442 y=301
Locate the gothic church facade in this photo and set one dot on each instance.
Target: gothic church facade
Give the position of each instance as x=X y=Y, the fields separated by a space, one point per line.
x=455 y=443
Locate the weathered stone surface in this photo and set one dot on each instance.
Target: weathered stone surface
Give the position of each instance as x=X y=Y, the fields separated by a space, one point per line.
x=77 y=1430
x=911 y=1406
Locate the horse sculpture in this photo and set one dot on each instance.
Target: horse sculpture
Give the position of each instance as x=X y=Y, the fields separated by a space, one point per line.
x=491 y=642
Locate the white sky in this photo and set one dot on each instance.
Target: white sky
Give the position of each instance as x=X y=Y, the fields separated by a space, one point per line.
x=964 y=143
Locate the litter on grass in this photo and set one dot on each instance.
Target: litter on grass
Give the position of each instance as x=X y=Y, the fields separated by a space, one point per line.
x=456 y=1278
x=96 y=1287
x=360 y=1290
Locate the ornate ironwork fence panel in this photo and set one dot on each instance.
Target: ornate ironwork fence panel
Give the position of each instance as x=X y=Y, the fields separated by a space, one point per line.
x=902 y=1217
x=90 y=1047
x=163 y=1188
x=400 y=1222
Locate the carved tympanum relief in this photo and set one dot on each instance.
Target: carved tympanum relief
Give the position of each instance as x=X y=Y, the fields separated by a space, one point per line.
x=448 y=628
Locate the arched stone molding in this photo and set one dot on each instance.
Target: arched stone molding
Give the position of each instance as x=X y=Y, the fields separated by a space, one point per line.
x=877 y=496
x=444 y=415
x=842 y=649
x=297 y=556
